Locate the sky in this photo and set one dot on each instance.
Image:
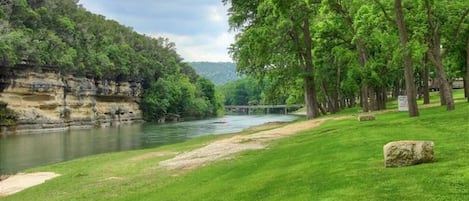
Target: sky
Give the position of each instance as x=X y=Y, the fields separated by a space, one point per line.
x=199 y=28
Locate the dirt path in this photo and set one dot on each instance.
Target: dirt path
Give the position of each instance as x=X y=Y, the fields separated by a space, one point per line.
x=19 y=182
x=224 y=148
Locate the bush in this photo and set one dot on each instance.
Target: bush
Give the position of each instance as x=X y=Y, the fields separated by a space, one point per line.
x=7 y=116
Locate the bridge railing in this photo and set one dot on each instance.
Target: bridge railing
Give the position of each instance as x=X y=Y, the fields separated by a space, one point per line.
x=248 y=108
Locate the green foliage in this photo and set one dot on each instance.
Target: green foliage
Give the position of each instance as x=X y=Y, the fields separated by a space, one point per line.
x=244 y=91
x=249 y=91
x=7 y=117
x=218 y=72
x=354 y=45
x=61 y=34
x=177 y=95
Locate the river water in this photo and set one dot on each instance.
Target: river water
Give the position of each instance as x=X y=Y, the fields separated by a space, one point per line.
x=19 y=152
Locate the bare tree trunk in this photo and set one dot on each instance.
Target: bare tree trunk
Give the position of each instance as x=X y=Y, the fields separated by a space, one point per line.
x=339 y=96
x=441 y=87
x=445 y=88
x=364 y=88
x=364 y=98
x=310 y=100
x=408 y=66
x=381 y=98
x=310 y=89
x=425 y=75
x=396 y=89
x=466 y=83
x=385 y=98
x=373 y=102
x=466 y=87
x=322 y=109
x=332 y=107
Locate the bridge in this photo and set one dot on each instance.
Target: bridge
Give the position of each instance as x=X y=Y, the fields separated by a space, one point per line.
x=249 y=108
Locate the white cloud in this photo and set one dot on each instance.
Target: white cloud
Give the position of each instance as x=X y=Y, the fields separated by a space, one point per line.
x=201 y=47
x=198 y=28
x=215 y=14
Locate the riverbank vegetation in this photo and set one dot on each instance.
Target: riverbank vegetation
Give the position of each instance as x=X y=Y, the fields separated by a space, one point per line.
x=249 y=91
x=343 y=53
x=7 y=116
x=62 y=34
x=339 y=160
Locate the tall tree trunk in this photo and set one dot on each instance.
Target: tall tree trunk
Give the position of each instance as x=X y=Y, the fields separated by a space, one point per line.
x=466 y=78
x=385 y=98
x=322 y=109
x=437 y=59
x=381 y=96
x=425 y=75
x=445 y=88
x=329 y=99
x=396 y=90
x=373 y=98
x=408 y=66
x=310 y=102
x=364 y=88
x=339 y=95
x=310 y=89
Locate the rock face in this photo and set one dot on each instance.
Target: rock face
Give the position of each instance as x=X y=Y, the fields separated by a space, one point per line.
x=405 y=153
x=45 y=98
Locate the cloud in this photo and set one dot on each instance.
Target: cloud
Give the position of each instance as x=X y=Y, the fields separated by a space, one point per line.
x=198 y=28
x=215 y=14
x=201 y=47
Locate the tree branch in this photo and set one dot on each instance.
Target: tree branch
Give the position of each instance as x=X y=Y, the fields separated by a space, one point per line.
x=431 y=57
x=460 y=23
x=384 y=12
x=458 y=30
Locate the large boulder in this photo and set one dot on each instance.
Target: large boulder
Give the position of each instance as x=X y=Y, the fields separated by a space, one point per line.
x=366 y=117
x=405 y=153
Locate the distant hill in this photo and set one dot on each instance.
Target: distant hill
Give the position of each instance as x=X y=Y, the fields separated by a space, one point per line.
x=218 y=72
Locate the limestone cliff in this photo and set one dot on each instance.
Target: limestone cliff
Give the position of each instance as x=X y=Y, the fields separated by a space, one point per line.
x=45 y=98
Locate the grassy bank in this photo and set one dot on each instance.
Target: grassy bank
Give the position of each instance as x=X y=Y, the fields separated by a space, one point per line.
x=340 y=160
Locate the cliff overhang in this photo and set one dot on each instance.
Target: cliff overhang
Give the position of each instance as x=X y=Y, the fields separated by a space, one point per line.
x=46 y=98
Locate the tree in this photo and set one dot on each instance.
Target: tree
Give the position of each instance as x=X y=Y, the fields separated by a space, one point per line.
x=345 y=10
x=408 y=66
x=466 y=84
x=276 y=41
x=445 y=24
x=434 y=54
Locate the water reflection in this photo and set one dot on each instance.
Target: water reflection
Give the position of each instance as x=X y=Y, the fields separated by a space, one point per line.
x=20 y=152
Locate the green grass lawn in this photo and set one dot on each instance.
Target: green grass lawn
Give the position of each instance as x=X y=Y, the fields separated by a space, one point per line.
x=340 y=160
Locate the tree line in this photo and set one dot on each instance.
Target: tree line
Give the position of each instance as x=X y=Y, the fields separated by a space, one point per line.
x=64 y=35
x=219 y=72
x=340 y=51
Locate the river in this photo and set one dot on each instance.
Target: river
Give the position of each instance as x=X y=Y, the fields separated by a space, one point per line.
x=19 y=152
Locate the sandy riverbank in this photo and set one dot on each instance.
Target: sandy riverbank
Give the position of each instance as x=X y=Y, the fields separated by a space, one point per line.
x=16 y=183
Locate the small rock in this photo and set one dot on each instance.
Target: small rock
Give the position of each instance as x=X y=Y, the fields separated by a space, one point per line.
x=367 y=117
x=406 y=153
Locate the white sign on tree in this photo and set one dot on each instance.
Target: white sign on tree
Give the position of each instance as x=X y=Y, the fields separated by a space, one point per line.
x=402 y=103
